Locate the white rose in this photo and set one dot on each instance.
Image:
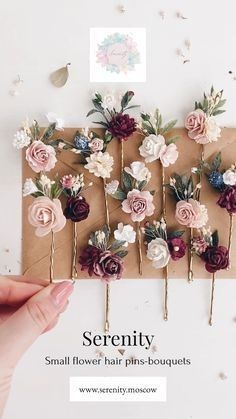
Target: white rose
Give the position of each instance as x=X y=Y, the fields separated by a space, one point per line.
x=125 y=233
x=112 y=187
x=29 y=187
x=100 y=164
x=138 y=171
x=229 y=177
x=96 y=144
x=109 y=101
x=168 y=154
x=53 y=119
x=21 y=139
x=212 y=130
x=151 y=146
x=158 y=252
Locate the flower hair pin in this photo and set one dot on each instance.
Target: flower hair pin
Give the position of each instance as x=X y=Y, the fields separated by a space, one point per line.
x=224 y=182
x=117 y=122
x=161 y=247
x=40 y=150
x=156 y=147
x=77 y=209
x=216 y=257
x=189 y=211
x=103 y=257
x=45 y=213
x=135 y=200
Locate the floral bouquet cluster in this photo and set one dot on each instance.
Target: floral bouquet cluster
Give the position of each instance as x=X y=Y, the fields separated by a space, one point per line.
x=135 y=200
x=189 y=212
x=215 y=257
x=103 y=257
x=161 y=247
x=200 y=123
x=117 y=122
x=224 y=182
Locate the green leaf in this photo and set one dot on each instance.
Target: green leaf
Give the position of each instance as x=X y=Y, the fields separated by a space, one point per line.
x=117 y=244
x=167 y=127
x=142 y=184
x=131 y=107
x=122 y=253
x=218 y=112
x=216 y=162
x=91 y=112
x=176 y=234
x=127 y=181
x=97 y=105
x=172 y=140
x=49 y=131
x=148 y=128
x=104 y=124
x=145 y=116
x=215 y=238
x=119 y=195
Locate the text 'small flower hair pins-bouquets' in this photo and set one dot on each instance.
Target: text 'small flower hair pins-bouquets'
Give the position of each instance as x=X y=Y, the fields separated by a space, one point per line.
x=216 y=257
x=45 y=213
x=77 y=209
x=224 y=182
x=135 y=200
x=157 y=147
x=203 y=129
x=103 y=257
x=162 y=246
x=117 y=123
x=189 y=212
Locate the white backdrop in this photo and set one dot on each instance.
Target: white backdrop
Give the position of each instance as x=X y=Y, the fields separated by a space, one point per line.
x=37 y=38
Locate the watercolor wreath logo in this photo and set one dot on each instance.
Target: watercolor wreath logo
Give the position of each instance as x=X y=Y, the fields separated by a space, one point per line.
x=118 y=53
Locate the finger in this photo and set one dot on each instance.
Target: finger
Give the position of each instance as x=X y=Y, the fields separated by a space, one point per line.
x=15 y=293
x=51 y=325
x=27 y=323
x=29 y=280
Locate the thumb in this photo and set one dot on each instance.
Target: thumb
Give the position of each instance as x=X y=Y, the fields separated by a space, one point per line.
x=27 y=323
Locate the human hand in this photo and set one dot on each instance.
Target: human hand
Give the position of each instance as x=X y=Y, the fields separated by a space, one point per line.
x=26 y=311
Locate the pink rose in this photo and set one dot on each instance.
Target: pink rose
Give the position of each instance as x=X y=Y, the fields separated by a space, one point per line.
x=168 y=154
x=67 y=181
x=195 y=124
x=191 y=213
x=96 y=145
x=41 y=157
x=138 y=204
x=46 y=215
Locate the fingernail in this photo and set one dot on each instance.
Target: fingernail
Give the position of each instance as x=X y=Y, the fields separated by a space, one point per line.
x=61 y=292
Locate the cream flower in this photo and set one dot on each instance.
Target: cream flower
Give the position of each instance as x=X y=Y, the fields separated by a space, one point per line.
x=53 y=119
x=21 y=139
x=229 y=177
x=109 y=101
x=151 y=147
x=212 y=130
x=100 y=164
x=29 y=187
x=158 y=252
x=125 y=233
x=112 y=187
x=46 y=215
x=168 y=154
x=138 y=171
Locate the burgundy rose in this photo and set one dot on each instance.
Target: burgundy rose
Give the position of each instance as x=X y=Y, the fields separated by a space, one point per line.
x=77 y=209
x=177 y=248
x=89 y=258
x=227 y=199
x=122 y=126
x=109 y=266
x=216 y=258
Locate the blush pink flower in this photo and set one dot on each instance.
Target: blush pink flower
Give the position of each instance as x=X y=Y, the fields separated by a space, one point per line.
x=195 y=124
x=191 y=213
x=138 y=204
x=168 y=154
x=96 y=144
x=41 y=157
x=67 y=181
x=46 y=215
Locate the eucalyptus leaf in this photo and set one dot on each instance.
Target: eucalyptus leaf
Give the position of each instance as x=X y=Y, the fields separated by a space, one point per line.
x=122 y=253
x=167 y=127
x=59 y=77
x=117 y=244
x=91 y=112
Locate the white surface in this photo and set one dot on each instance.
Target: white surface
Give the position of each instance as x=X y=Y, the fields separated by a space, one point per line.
x=37 y=38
